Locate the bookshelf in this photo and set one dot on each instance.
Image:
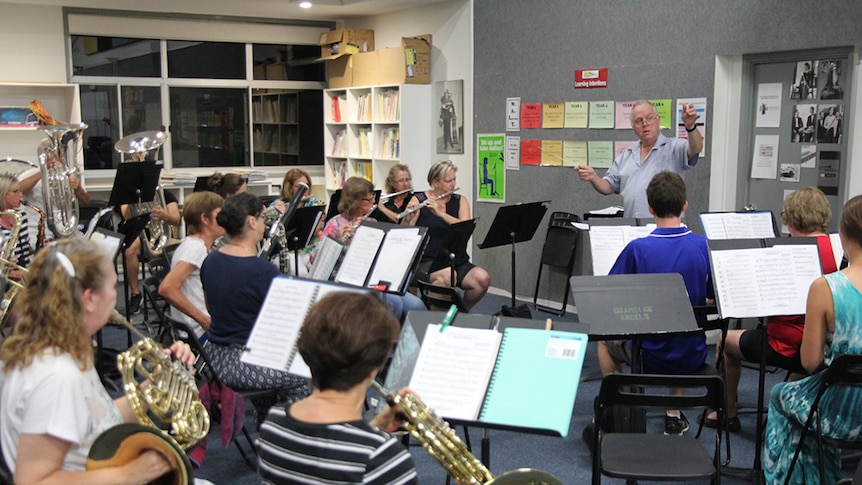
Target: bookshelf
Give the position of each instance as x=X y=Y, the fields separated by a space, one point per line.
x=369 y=129
x=285 y=128
x=62 y=101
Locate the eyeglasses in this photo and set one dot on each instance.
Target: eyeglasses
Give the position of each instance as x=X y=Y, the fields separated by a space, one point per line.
x=370 y=198
x=404 y=181
x=644 y=121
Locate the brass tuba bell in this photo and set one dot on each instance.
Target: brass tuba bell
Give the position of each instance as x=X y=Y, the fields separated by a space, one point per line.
x=57 y=160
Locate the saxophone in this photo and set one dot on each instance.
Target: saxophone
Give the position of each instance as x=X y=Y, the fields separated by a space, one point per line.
x=6 y=265
x=443 y=445
x=40 y=233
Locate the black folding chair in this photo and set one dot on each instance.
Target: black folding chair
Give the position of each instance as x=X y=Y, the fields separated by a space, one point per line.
x=558 y=254
x=650 y=456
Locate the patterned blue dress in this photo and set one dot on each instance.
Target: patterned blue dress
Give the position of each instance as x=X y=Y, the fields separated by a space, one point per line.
x=790 y=402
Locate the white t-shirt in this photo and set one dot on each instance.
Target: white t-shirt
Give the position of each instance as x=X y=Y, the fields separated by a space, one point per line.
x=193 y=251
x=54 y=396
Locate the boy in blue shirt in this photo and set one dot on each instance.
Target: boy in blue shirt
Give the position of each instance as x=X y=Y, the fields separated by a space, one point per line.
x=670 y=248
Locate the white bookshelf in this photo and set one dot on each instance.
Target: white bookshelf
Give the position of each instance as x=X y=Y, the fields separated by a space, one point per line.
x=369 y=129
x=62 y=101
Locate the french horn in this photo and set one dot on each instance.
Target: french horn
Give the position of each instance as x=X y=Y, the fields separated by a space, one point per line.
x=139 y=146
x=57 y=160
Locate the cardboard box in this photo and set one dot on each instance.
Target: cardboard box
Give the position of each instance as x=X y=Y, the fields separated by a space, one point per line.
x=259 y=72
x=409 y=64
x=276 y=72
x=337 y=43
x=340 y=71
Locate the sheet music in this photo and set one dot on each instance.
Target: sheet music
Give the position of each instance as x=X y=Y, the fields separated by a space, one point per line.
x=607 y=242
x=761 y=282
x=360 y=255
x=453 y=369
x=273 y=338
x=737 y=225
x=396 y=257
x=837 y=249
x=327 y=257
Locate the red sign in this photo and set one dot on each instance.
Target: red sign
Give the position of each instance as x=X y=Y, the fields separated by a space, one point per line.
x=591 y=78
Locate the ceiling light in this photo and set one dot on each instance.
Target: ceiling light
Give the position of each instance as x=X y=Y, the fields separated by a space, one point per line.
x=305 y=4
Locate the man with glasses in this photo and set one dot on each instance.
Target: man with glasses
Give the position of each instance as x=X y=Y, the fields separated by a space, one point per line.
x=632 y=171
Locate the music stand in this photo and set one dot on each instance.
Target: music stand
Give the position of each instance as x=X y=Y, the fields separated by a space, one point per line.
x=514 y=224
x=454 y=242
x=202 y=184
x=300 y=229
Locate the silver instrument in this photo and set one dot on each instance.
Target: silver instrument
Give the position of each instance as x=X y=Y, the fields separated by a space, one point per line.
x=57 y=160
x=393 y=194
x=140 y=145
x=425 y=203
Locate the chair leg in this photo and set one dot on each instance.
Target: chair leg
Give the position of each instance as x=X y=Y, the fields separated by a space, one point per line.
x=251 y=463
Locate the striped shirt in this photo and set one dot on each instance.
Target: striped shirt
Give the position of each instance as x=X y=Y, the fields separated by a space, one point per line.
x=294 y=452
x=23 y=250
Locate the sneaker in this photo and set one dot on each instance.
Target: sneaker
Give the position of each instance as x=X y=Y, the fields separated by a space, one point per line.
x=733 y=424
x=135 y=303
x=675 y=425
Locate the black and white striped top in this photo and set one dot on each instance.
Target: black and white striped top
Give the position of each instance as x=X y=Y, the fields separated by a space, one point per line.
x=294 y=452
x=23 y=250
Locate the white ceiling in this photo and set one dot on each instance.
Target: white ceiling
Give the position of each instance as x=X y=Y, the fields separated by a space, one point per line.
x=281 y=9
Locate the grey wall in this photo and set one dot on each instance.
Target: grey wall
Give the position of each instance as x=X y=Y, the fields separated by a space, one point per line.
x=654 y=49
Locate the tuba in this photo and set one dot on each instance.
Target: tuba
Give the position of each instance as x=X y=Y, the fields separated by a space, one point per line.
x=57 y=160
x=139 y=145
x=164 y=398
x=443 y=445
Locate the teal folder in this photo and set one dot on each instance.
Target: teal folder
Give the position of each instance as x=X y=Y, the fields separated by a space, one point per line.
x=535 y=379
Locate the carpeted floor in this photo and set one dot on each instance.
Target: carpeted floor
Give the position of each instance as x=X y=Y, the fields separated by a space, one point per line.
x=567 y=458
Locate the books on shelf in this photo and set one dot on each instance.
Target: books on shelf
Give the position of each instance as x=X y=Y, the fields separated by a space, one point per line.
x=336 y=109
x=364 y=142
x=389 y=142
x=363 y=108
x=387 y=105
x=363 y=169
x=338 y=144
x=272 y=342
x=492 y=369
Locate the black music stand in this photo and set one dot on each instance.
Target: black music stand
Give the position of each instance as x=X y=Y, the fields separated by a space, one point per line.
x=335 y=198
x=514 y=224
x=299 y=231
x=454 y=242
x=134 y=183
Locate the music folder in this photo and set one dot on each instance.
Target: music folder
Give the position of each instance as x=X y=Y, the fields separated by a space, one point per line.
x=763 y=277
x=634 y=305
x=383 y=255
x=492 y=358
x=272 y=341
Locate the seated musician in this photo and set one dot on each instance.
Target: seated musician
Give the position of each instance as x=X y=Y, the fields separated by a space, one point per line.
x=227 y=184
x=440 y=207
x=235 y=283
x=398 y=180
x=10 y=200
x=357 y=202
x=289 y=186
x=345 y=340
x=806 y=214
x=169 y=214
x=670 y=248
x=52 y=403
x=182 y=287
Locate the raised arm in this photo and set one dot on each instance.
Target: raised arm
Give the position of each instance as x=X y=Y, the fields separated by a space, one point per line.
x=695 y=139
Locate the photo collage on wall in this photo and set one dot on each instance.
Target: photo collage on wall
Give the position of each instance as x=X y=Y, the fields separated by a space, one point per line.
x=818 y=119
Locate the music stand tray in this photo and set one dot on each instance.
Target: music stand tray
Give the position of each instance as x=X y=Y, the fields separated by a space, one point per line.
x=301 y=226
x=454 y=242
x=135 y=182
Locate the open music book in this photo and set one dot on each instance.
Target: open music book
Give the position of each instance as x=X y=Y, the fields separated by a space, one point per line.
x=379 y=254
x=737 y=225
x=272 y=342
x=763 y=277
x=510 y=379
x=607 y=241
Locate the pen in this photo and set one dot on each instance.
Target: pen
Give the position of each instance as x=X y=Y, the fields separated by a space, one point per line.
x=450 y=316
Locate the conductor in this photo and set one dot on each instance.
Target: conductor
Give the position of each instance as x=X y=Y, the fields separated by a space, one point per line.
x=632 y=171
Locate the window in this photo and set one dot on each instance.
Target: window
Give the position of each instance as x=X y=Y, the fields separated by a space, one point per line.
x=208 y=128
x=206 y=60
x=115 y=56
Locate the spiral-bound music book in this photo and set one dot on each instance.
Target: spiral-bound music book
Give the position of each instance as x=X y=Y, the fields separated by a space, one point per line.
x=523 y=377
x=272 y=342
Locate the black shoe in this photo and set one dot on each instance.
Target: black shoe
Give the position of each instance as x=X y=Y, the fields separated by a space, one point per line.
x=589 y=435
x=675 y=425
x=733 y=424
x=135 y=303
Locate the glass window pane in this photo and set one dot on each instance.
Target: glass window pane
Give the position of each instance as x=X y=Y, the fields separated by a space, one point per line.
x=288 y=62
x=142 y=109
x=99 y=112
x=206 y=60
x=208 y=127
x=115 y=56
x=286 y=127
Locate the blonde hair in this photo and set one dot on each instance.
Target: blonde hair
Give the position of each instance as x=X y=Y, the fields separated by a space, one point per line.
x=393 y=172
x=439 y=170
x=290 y=178
x=807 y=210
x=6 y=183
x=51 y=308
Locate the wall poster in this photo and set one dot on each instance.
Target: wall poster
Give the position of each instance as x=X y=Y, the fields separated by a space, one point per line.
x=450 y=124
x=491 y=168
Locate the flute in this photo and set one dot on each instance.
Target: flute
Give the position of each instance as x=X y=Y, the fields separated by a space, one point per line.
x=353 y=225
x=393 y=194
x=425 y=203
